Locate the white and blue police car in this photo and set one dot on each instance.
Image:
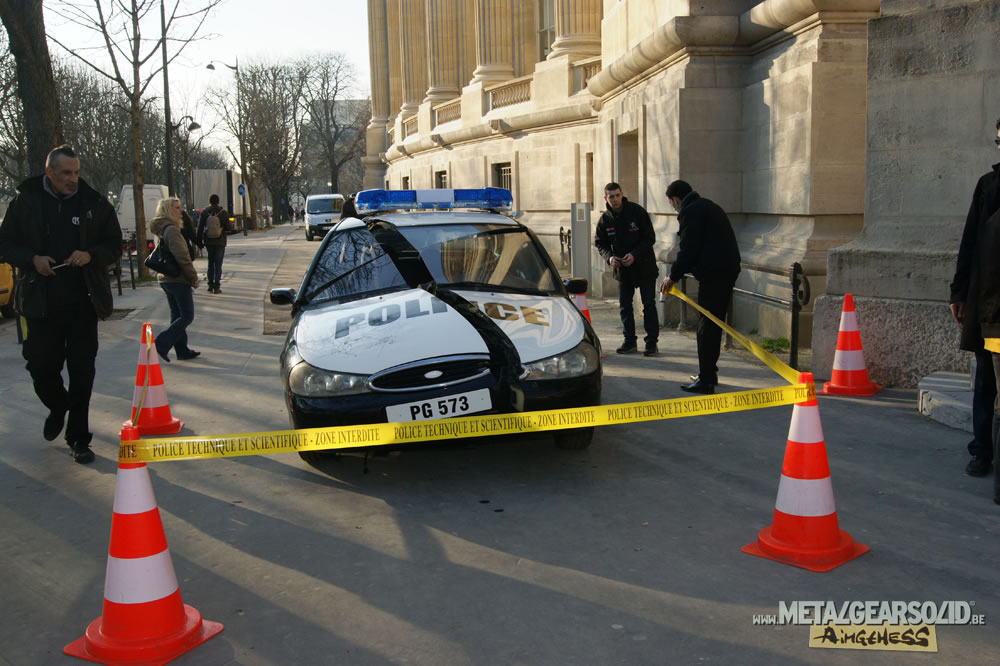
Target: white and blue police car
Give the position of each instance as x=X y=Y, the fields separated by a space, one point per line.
x=434 y=304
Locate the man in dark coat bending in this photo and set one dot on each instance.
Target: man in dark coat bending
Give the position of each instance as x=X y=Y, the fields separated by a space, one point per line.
x=708 y=251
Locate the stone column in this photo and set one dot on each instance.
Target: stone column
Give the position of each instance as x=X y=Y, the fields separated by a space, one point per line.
x=413 y=54
x=578 y=29
x=442 y=50
x=376 y=139
x=394 y=57
x=378 y=49
x=493 y=42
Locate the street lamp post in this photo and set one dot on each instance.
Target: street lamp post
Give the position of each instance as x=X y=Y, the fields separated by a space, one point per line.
x=192 y=126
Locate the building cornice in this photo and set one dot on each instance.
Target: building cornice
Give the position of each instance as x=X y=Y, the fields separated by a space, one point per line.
x=753 y=26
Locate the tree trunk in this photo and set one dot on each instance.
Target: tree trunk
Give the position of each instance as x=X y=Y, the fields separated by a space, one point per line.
x=140 y=181
x=35 y=85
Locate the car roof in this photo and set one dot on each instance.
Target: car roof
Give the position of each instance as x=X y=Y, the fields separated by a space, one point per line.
x=434 y=218
x=324 y=196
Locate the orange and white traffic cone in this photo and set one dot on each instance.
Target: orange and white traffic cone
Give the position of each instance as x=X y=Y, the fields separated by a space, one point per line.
x=143 y=619
x=580 y=300
x=151 y=401
x=849 y=377
x=804 y=531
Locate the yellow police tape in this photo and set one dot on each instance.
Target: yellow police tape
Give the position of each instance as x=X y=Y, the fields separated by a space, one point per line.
x=382 y=434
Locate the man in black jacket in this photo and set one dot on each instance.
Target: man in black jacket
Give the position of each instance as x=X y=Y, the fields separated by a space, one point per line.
x=708 y=250
x=965 y=309
x=625 y=238
x=63 y=234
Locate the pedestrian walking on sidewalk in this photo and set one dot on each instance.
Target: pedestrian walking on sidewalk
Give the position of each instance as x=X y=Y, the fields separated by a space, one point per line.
x=708 y=250
x=179 y=290
x=625 y=238
x=62 y=235
x=212 y=227
x=966 y=290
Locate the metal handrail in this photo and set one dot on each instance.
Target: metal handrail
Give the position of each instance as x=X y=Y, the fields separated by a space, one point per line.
x=800 y=297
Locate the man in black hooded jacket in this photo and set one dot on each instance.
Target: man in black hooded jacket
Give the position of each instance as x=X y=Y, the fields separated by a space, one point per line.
x=965 y=308
x=708 y=250
x=625 y=238
x=63 y=235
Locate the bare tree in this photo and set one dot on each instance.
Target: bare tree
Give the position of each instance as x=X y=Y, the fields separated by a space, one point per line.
x=35 y=85
x=13 y=140
x=98 y=124
x=334 y=117
x=133 y=60
x=271 y=102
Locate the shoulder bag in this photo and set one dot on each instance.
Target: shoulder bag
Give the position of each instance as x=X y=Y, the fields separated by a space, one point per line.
x=162 y=261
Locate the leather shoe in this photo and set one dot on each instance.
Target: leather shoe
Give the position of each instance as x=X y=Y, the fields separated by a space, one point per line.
x=650 y=350
x=192 y=354
x=699 y=386
x=54 y=423
x=978 y=466
x=627 y=348
x=81 y=452
x=163 y=355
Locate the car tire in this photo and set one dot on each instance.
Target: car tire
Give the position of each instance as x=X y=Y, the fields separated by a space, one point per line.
x=574 y=439
x=309 y=236
x=7 y=311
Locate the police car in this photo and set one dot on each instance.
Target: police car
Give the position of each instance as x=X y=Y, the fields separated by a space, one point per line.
x=435 y=304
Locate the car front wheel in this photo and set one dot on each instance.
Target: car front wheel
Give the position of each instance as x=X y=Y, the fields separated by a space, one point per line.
x=574 y=439
x=309 y=235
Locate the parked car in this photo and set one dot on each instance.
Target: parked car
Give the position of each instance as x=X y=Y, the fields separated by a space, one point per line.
x=322 y=212
x=435 y=304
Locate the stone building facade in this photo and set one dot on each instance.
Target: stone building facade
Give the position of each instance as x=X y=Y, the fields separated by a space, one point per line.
x=759 y=104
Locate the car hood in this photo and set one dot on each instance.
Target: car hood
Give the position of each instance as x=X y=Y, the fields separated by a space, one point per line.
x=366 y=336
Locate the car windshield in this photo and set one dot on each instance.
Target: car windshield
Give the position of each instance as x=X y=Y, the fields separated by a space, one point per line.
x=324 y=205
x=467 y=256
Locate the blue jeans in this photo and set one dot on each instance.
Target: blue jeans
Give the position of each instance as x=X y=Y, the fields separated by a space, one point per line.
x=650 y=321
x=180 y=297
x=215 y=254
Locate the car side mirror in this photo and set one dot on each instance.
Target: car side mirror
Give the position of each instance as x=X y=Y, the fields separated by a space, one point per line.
x=282 y=296
x=574 y=285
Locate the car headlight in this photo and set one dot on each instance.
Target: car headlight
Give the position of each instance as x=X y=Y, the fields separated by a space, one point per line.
x=311 y=382
x=578 y=361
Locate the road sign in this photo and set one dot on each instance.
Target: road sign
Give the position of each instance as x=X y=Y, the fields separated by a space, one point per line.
x=241 y=189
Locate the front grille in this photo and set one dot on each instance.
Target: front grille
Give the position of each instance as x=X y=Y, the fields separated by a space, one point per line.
x=412 y=376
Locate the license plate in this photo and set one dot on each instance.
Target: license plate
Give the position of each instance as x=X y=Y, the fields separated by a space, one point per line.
x=459 y=404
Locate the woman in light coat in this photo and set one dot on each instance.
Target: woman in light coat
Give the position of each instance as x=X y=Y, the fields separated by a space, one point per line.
x=179 y=290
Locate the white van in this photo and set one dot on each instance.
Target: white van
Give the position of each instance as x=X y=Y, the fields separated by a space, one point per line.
x=151 y=195
x=322 y=212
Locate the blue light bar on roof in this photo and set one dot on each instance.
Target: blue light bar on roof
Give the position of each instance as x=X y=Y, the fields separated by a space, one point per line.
x=485 y=198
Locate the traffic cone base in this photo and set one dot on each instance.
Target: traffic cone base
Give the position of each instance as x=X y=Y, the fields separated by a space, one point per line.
x=813 y=559
x=804 y=531
x=849 y=375
x=94 y=646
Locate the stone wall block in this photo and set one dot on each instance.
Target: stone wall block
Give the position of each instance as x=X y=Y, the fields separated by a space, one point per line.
x=903 y=340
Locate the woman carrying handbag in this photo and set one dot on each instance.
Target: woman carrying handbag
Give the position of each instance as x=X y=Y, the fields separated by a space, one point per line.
x=167 y=226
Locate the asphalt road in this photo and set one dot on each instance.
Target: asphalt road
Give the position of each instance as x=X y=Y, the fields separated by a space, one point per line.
x=500 y=551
